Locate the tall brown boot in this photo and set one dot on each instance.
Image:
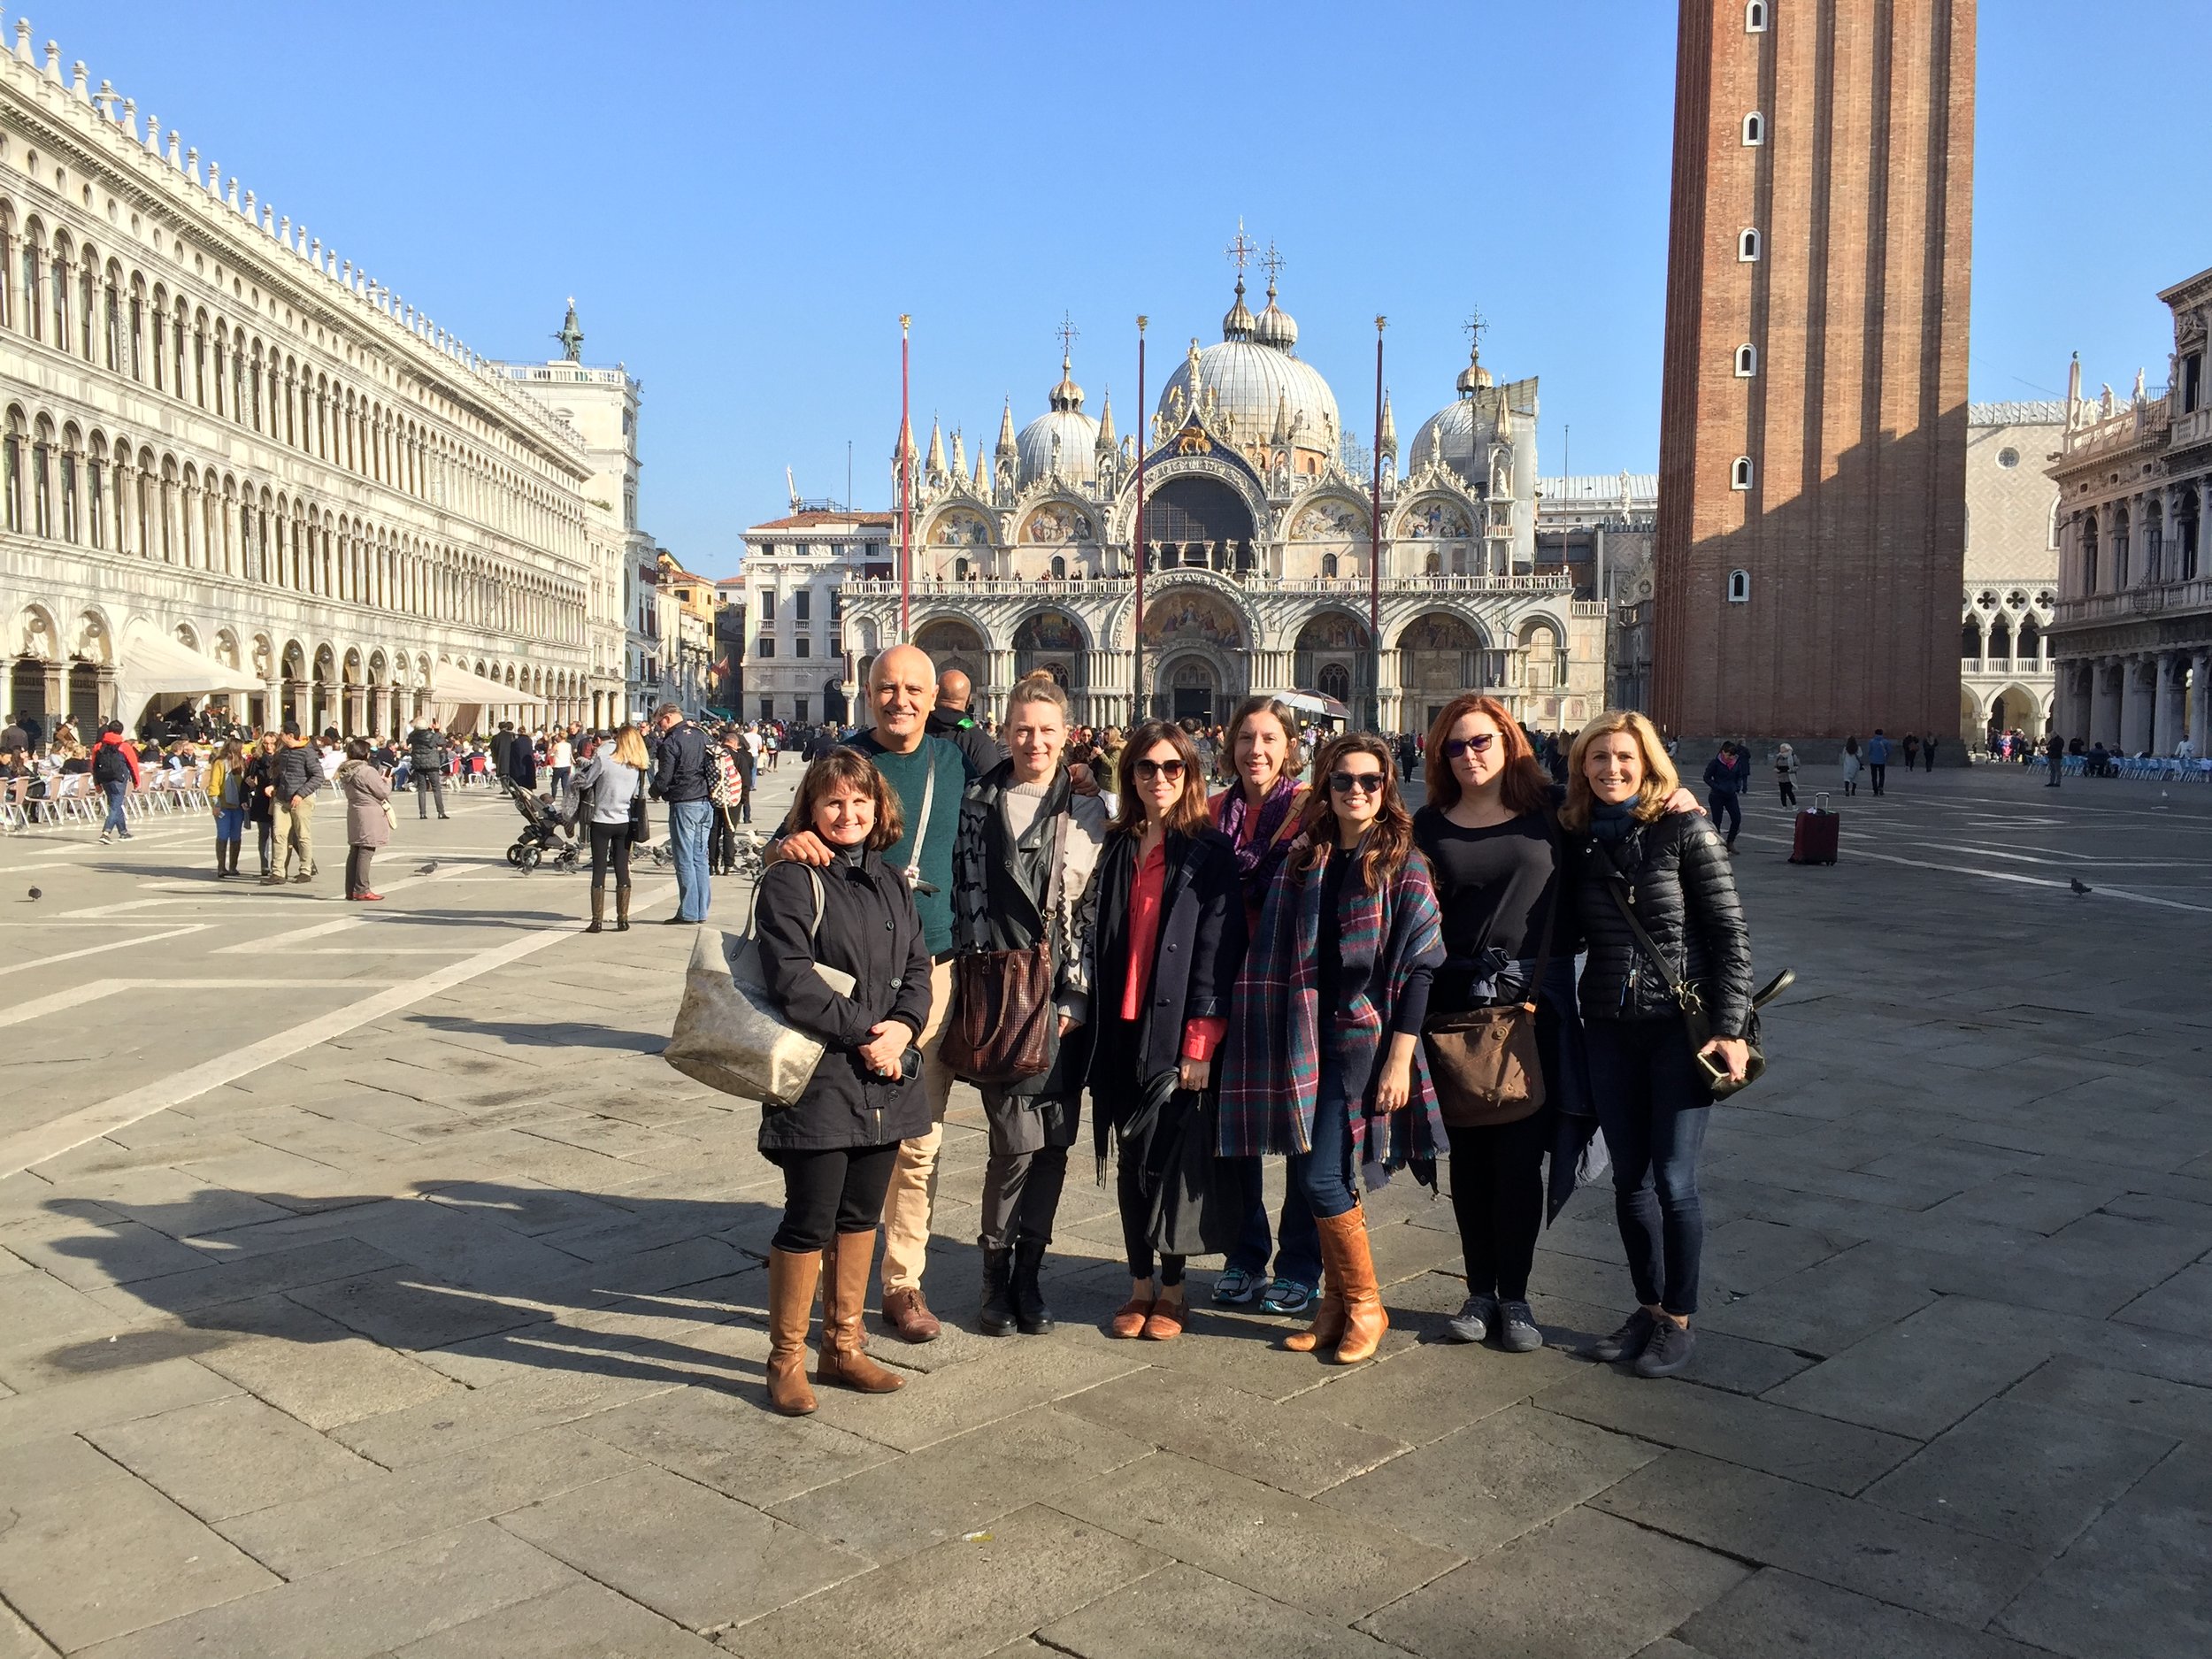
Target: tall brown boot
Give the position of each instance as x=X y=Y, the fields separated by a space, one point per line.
x=1327 y=1329
x=622 y=908
x=598 y=910
x=792 y=1277
x=1365 y=1320
x=844 y=1357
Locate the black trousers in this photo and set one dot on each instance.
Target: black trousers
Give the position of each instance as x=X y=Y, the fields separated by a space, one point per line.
x=721 y=841
x=1498 y=1199
x=1789 y=792
x=610 y=841
x=266 y=840
x=1021 y=1195
x=1726 y=804
x=1652 y=1105
x=835 y=1190
x=1881 y=774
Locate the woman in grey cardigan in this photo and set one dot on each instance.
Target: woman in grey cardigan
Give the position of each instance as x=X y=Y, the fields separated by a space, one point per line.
x=1015 y=821
x=610 y=781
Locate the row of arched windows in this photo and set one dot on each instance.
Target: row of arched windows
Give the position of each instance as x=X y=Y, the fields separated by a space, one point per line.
x=67 y=295
x=64 y=483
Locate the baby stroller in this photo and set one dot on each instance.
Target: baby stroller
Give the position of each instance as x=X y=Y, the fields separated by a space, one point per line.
x=544 y=833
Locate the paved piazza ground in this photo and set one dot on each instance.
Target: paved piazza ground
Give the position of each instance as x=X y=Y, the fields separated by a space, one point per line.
x=373 y=1288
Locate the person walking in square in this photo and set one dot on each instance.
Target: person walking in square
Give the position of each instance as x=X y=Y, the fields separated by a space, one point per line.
x=115 y=773
x=1725 y=776
x=680 y=780
x=928 y=775
x=1911 y=746
x=368 y=799
x=2054 y=758
x=227 y=791
x=428 y=754
x=1639 y=864
x=1786 y=774
x=1166 y=946
x=1021 y=875
x=837 y=1143
x=1325 y=1061
x=295 y=777
x=613 y=778
x=1878 y=748
x=1851 y=765
x=1258 y=812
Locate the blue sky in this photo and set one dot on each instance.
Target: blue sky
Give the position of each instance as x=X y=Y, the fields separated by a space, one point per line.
x=743 y=199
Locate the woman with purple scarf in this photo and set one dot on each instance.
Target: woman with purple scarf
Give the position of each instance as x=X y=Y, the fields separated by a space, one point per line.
x=1258 y=812
x=1324 y=1061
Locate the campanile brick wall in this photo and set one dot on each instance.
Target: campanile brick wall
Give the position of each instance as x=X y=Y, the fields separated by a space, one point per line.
x=1852 y=531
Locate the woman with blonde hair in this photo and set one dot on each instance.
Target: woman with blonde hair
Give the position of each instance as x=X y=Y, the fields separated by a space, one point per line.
x=608 y=789
x=227 y=794
x=1649 y=873
x=1324 y=1061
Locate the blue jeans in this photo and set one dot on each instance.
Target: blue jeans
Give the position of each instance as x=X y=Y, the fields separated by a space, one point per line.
x=230 y=824
x=1323 y=1177
x=116 y=821
x=689 y=823
x=1652 y=1105
x=1299 y=1260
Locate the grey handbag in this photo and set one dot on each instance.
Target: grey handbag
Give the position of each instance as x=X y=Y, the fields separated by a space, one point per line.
x=729 y=1033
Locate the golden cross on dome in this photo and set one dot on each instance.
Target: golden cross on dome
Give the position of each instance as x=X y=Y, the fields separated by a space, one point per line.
x=1272 y=261
x=1243 y=247
x=1068 y=333
x=1474 y=328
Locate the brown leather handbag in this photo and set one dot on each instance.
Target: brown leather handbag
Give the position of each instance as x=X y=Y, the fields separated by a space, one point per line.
x=1484 y=1062
x=1002 y=1013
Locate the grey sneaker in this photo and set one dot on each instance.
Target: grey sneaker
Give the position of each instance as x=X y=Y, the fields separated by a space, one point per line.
x=1625 y=1343
x=1473 y=1321
x=1669 y=1351
x=1235 y=1287
x=1516 y=1329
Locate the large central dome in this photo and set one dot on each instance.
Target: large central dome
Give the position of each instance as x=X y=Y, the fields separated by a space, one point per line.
x=1262 y=387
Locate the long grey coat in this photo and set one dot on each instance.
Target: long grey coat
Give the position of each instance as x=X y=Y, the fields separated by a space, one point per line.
x=366 y=793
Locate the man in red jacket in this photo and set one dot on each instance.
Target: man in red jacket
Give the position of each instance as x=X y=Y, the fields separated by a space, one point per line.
x=115 y=769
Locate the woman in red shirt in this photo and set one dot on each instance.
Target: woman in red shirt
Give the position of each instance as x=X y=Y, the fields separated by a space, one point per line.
x=1166 y=945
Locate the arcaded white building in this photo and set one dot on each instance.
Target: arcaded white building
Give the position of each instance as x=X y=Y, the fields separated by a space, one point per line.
x=1257 y=540
x=229 y=455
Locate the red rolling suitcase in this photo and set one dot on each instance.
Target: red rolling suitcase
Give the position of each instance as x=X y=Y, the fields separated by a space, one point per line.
x=1818 y=834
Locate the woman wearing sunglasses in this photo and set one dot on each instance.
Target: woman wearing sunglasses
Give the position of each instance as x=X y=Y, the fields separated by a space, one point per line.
x=1669 y=870
x=1165 y=947
x=1325 y=1059
x=1492 y=840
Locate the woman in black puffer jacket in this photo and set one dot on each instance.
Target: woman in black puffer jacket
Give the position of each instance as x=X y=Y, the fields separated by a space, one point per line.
x=1671 y=869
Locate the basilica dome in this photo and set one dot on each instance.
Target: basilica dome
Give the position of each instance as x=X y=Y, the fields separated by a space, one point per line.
x=1468 y=427
x=1257 y=385
x=1063 y=439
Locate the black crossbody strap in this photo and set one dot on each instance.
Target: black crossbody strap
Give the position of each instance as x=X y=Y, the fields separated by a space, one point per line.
x=1645 y=941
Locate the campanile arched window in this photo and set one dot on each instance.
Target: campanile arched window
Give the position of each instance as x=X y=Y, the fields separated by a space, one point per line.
x=1746 y=362
x=1755 y=17
x=1740 y=474
x=1747 y=246
x=1754 y=128
x=1738 y=588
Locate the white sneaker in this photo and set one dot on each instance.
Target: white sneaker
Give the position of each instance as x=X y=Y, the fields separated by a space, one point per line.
x=107 y=838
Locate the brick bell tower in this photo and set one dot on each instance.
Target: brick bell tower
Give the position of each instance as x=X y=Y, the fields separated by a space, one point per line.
x=1812 y=453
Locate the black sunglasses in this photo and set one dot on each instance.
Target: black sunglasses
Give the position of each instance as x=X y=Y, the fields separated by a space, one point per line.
x=1365 y=782
x=1454 y=747
x=1170 y=769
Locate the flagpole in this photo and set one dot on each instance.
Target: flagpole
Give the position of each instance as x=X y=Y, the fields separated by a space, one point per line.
x=906 y=478
x=1374 y=543
x=1136 y=543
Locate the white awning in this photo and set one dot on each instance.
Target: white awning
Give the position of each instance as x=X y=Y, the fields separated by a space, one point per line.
x=155 y=664
x=450 y=682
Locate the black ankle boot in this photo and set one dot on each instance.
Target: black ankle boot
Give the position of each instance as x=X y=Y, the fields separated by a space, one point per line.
x=997 y=1317
x=1029 y=1311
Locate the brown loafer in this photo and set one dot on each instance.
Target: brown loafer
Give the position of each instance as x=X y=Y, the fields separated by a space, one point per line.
x=909 y=1316
x=1165 y=1322
x=1130 y=1319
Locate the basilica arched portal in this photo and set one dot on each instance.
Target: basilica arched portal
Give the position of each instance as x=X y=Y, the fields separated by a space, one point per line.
x=1198 y=655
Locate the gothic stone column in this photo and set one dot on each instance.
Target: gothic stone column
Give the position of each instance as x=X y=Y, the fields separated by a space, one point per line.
x=2104 y=702
x=2166 y=714
x=2136 y=681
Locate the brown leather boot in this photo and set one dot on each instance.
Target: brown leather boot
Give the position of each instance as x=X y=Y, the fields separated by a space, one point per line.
x=1327 y=1329
x=844 y=1357
x=622 y=908
x=792 y=1277
x=1365 y=1320
x=598 y=910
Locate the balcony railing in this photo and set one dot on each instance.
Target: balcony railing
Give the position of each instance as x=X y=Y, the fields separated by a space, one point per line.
x=2189 y=596
x=1109 y=587
x=2004 y=665
x=2193 y=427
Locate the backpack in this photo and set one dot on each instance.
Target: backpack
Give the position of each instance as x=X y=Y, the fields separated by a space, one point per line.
x=725 y=787
x=108 y=766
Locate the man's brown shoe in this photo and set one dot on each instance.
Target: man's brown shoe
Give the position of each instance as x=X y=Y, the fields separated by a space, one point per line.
x=909 y=1316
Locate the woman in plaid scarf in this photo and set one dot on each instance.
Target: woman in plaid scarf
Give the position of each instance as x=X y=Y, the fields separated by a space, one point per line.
x=1347 y=941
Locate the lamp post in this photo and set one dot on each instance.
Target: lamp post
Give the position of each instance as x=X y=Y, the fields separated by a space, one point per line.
x=1374 y=545
x=1136 y=547
x=906 y=480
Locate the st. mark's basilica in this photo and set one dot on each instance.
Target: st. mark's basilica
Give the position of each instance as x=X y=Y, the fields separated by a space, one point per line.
x=1257 y=542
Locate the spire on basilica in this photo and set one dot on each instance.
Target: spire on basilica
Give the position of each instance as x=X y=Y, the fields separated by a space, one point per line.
x=1008 y=456
x=981 y=488
x=1389 y=430
x=1106 y=442
x=934 y=468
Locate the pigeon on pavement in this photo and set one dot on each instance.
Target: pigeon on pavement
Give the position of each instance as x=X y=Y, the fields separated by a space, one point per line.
x=428 y=869
x=36 y=895
x=2079 y=885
